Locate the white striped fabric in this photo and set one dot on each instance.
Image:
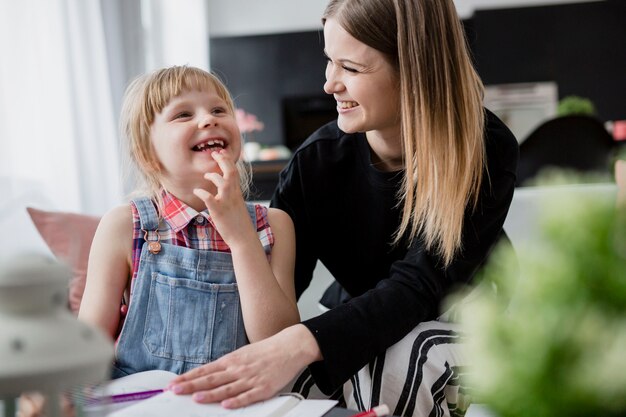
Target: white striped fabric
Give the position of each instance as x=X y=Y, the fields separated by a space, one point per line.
x=418 y=376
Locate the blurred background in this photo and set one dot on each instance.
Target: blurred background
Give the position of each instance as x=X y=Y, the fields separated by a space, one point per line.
x=65 y=65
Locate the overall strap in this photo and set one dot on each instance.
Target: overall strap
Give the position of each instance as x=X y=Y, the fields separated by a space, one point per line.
x=148 y=216
x=252 y=212
x=149 y=223
x=258 y=215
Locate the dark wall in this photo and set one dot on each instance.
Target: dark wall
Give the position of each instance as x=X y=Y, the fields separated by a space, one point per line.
x=261 y=71
x=581 y=46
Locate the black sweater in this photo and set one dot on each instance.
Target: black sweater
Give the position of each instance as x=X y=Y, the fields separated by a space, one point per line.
x=345 y=212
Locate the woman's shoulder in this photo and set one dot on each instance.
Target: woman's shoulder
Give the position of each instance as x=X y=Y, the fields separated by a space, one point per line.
x=327 y=145
x=501 y=145
x=328 y=137
x=329 y=131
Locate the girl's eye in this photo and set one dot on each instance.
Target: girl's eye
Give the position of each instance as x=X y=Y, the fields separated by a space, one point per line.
x=182 y=115
x=219 y=110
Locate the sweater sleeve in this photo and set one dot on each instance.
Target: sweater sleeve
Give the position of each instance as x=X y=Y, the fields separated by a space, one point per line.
x=411 y=289
x=288 y=197
x=354 y=333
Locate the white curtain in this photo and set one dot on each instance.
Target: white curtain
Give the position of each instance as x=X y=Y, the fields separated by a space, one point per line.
x=64 y=66
x=58 y=132
x=176 y=33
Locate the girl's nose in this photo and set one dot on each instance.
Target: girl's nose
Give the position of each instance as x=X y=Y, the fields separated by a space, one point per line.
x=207 y=121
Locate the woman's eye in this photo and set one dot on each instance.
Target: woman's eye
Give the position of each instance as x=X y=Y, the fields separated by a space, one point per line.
x=350 y=69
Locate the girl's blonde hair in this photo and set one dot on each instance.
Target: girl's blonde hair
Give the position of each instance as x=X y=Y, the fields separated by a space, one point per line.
x=145 y=97
x=442 y=116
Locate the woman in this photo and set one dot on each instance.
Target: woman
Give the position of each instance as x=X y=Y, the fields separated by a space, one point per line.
x=402 y=199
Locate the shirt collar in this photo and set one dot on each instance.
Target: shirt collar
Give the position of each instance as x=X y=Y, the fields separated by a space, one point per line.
x=178 y=214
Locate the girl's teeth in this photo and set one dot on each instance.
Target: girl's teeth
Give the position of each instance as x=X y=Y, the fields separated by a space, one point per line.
x=210 y=144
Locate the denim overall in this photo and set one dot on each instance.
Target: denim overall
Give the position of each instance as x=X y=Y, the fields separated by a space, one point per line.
x=184 y=309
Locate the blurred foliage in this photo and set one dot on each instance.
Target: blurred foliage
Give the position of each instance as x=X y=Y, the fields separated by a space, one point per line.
x=562 y=176
x=575 y=105
x=552 y=342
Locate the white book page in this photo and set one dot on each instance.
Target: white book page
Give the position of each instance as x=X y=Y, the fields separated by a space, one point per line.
x=168 y=404
x=140 y=381
x=311 y=408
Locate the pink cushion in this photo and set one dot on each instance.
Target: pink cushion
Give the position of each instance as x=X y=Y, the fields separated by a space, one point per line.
x=69 y=236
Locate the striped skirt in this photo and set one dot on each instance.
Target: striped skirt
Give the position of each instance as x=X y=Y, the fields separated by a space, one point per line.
x=418 y=376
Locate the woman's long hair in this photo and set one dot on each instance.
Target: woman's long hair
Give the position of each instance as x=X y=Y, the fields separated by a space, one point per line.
x=442 y=116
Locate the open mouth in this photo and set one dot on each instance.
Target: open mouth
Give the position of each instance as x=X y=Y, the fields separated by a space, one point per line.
x=347 y=104
x=209 y=146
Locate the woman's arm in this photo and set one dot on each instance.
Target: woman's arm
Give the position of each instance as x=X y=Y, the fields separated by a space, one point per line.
x=252 y=373
x=416 y=283
x=352 y=334
x=108 y=270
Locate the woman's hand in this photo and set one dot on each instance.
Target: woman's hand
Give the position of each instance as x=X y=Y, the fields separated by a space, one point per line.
x=252 y=373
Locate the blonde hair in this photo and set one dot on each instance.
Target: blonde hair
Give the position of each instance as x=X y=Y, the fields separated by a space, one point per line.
x=145 y=97
x=442 y=116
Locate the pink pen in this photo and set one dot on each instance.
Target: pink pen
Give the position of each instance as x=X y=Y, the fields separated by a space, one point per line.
x=122 y=398
x=378 y=411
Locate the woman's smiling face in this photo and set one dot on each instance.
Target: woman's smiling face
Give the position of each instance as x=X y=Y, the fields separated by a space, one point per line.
x=363 y=82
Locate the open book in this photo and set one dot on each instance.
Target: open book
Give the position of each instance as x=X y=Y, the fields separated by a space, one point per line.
x=102 y=400
x=168 y=404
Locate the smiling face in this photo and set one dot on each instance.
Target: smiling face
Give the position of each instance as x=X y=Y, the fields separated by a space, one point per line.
x=186 y=131
x=363 y=82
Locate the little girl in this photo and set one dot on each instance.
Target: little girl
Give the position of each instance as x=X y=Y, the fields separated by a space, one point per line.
x=190 y=255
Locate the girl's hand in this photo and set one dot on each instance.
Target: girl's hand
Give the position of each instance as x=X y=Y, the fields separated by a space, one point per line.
x=252 y=373
x=266 y=287
x=227 y=206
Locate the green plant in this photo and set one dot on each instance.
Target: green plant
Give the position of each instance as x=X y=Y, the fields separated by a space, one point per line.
x=574 y=105
x=553 y=341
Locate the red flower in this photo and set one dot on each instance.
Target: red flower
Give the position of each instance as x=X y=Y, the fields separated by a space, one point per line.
x=247 y=122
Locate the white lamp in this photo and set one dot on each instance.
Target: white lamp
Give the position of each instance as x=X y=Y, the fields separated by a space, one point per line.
x=43 y=347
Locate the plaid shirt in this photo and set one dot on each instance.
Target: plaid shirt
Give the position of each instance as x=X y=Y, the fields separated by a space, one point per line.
x=192 y=229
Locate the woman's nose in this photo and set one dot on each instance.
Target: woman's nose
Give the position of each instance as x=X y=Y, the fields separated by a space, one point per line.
x=329 y=86
x=332 y=84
